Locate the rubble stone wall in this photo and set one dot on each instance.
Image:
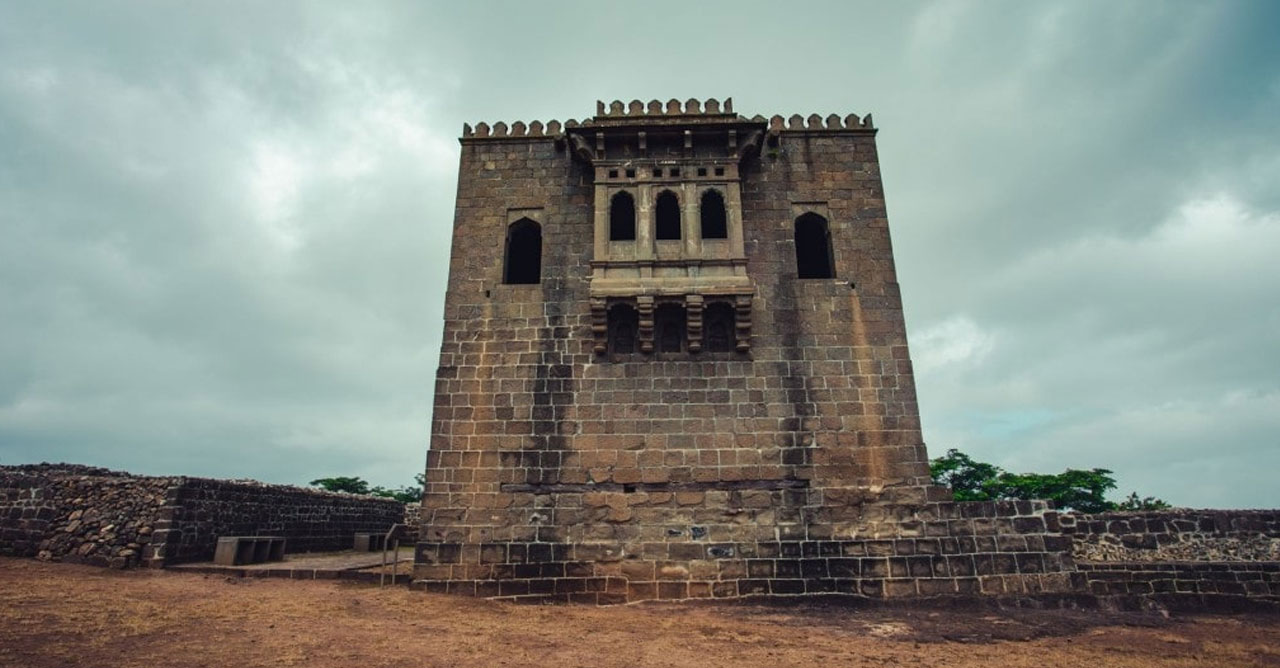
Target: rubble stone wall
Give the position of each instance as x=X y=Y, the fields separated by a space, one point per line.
x=1175 y=535
x=110 y=518
x=79 y=514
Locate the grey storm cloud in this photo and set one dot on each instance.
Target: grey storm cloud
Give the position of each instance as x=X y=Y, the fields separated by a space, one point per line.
x=226 y=228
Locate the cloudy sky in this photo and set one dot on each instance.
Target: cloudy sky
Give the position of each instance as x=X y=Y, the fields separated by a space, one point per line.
x=224 y=227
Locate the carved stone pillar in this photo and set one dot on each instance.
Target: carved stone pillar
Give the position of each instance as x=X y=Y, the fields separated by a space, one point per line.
x=693 y=322
x=644 y=307
x=599 y=325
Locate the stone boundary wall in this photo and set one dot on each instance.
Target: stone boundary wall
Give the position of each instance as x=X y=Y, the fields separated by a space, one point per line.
x=79 y=514
x=202 y=509
x=1175 y=535
x=949 y=549
x=1260 y=579
x=83 y=514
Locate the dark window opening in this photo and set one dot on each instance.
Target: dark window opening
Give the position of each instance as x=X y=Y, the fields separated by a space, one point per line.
x=714 y=223
x=667 y=214
x=622 y=217
x=631 y=173
x=657 y=172
x=668 y=324
x=522 y=261
x=675 y=171
x=719 y=171
x=624 y=326
x=613 y=173
x=702 y=171
x=813 y=247
x=718 y=328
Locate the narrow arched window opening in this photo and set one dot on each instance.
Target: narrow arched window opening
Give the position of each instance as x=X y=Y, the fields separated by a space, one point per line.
x=669 y=327
x=624 y=325
x=622 y=217
x=718 y=328
x=667 y=216
x=813 y=247
x=714 y=221
x=522 y=261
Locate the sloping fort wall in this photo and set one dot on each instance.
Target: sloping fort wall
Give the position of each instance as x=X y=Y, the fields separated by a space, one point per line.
x=110 y=518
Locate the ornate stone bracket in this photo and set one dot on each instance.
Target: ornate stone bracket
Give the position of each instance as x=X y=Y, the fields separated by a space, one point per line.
x=599 y=325
x=582 y=149
x=742 y=322
x=644 y=308
x=693 y=322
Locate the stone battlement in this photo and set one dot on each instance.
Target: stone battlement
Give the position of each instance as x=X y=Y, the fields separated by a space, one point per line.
x=658 y=114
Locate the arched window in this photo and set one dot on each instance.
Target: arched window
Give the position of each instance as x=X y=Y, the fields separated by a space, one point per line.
x=718 y=328
x=624 y=326
x=813 y=247
x=668 y=325
x=714 y=223
x=622 y=217
x=667 y=216
x=522 y=262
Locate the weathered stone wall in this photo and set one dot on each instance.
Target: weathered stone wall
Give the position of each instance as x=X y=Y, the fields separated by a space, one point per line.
x=91 y=515
x=1183 y=559
x=79 y=514
x=1175 y=535
x=1185 y=585
x=202 y=509
x=935 y=549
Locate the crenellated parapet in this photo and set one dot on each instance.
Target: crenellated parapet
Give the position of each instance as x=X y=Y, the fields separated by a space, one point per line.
x=500 y=130
x=815 y=122
x=673 y=107
x=689 y=113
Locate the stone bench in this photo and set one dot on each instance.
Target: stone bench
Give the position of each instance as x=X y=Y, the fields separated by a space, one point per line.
x=240 y=550
x=370 y=542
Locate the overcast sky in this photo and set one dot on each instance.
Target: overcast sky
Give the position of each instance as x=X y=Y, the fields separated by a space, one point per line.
x=224 y=227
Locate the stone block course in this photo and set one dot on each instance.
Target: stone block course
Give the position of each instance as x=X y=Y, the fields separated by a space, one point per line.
x=111 y=518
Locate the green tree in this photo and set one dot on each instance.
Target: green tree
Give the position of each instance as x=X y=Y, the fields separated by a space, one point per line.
x=351 y=485
x=969 y=480
x=1133 y=502
x=1073 y=489
x=356 y=485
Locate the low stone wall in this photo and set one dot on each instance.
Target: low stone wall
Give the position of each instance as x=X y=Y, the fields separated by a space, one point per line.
x=1180 y=558
x=1175 y=535
x=79 y=514
x=110 y=518
x=1257 y=579
x=936 y=549
x=311 y=520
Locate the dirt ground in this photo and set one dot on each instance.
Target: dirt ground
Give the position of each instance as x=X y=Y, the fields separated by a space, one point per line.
x=65 y=615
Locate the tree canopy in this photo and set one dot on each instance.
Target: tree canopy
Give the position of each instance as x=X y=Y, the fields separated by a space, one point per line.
x=357 y=485
x=1072 y=489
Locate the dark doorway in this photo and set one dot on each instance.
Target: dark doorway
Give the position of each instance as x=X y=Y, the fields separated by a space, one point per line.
x=523 y=258
x=669 y=324
x=667 y=216
x=813 y=247
x=624 y=326
x=622 y=217
x=714 y=221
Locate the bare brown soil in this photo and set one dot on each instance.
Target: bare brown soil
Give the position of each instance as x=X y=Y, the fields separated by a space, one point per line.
x=64 y=615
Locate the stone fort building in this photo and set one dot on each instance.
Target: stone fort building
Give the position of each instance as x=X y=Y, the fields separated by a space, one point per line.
x=674 y=365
